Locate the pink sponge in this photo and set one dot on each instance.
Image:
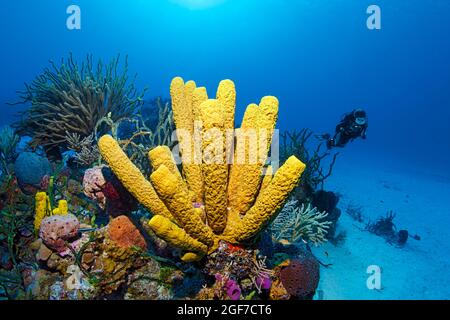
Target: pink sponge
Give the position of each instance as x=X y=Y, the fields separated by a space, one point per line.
x=56 y=230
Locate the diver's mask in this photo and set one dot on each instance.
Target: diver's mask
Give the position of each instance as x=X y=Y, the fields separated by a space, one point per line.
x=360 y=116
x=360 y=121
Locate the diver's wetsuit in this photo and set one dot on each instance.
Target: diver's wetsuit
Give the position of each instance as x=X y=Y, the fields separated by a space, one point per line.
x=347 y=130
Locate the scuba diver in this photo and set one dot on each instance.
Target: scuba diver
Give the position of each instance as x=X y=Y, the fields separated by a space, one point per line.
x=353 y=125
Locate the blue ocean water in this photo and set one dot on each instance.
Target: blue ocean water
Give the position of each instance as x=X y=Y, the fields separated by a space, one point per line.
x=318 y=58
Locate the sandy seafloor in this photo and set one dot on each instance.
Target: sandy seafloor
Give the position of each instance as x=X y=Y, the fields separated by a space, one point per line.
x=419 y=270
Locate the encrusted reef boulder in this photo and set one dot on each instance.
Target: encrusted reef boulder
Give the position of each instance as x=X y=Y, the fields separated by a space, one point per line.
x=297 y=278
x=30 y=169
x=56 y=230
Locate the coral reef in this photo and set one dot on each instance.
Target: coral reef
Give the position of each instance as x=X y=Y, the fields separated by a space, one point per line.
x=72 y=98
x=125 y=229
x=296 y=223
x=171 y=198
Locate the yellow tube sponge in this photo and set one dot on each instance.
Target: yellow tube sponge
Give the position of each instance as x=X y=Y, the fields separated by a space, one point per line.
x=182 y=104
x=130 y=176
x=226 y=95
x=177 y=200
x=246 y=145
x=214 y=167
x=182 y=115
x=174 y=235
x=265 y=124
x=161 y=155
x=40 y=209
x=271 y=200
x=199 y=95
x=205 y=203
x=268 y=175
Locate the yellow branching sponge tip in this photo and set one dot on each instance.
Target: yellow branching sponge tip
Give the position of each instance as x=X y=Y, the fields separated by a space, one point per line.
x=271 y=200
x=130 y=176
x=180 y=205
x=191 y=257
x=175 y=236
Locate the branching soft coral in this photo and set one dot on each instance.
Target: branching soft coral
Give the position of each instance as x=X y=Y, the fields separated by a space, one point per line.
x=8 y=143
x=73 y=98
x=297 y=143
x=295 y=223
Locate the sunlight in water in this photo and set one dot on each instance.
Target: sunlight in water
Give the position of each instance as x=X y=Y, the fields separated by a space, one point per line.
x=198 y=4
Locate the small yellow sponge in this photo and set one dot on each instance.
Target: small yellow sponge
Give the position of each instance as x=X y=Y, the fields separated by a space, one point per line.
x=62 y=209
x=40 y=209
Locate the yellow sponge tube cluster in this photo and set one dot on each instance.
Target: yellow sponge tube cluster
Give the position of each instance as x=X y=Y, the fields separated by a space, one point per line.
x=44 y=209
x=209 y=200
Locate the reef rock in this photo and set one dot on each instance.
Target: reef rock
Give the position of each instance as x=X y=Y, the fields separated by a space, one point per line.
x=146 y=283
x=42 y=282
x=30 y=169
x=56 y=230
x=44 y=253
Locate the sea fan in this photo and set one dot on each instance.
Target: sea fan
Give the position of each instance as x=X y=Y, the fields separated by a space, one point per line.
x=295 y=223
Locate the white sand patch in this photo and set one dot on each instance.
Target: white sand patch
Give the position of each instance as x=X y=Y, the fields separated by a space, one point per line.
x=421 y=201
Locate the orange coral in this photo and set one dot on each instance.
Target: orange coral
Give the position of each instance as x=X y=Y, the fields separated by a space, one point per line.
x=123 y=232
